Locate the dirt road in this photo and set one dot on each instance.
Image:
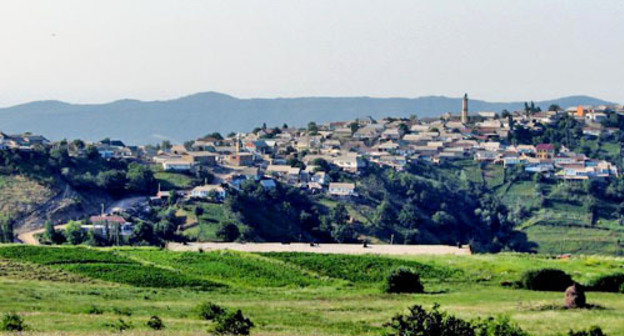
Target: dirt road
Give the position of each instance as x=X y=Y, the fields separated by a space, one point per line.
x=325 y=248
x=29 y=237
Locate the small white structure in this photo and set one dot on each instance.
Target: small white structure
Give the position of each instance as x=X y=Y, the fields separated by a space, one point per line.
x=208 y=190
x=342 y=189
x=177 y=165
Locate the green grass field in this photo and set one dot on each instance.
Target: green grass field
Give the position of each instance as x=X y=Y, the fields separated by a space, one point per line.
x=58 y=289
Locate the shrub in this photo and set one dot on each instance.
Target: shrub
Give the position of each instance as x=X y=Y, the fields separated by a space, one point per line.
x=404 y=280
x=210 y=311
x=233 y=323
x=500 y=326
x=12 y=322
x=546 y=279
x=593 y=331
x=95 y=310
x=155 y=323
x=119 y=325
x=608 y=283
x=122 y=311
x=420 y=322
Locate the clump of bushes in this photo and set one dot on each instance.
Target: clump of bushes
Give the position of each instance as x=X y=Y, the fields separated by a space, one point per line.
x=118 y=325
x=546 y=279
x=155 y=323
x=421 y=322
x=12 y=322
x=608 y=283
x=95 y=310
x=210 y=311
x=231 y=323
x=593 y=331
x=404 y=280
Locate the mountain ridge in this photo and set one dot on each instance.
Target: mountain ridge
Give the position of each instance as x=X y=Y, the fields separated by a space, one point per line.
x=183 y=118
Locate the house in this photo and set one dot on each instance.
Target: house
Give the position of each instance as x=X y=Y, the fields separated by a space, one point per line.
x=289 y=174
x=177 y=165
x=204 y=158
x=545 y=151
x=208 y=191
x=241 y=159
x=101 y=225
x=342 y=189
x=268 y=184
x=349 y=163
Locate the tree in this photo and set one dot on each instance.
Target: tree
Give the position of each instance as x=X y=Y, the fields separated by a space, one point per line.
x=228 y=232
x=113 y=181
x=408 y=216
x=344 y=233
x=140 y=178
x=74 y=232
x=143 y=232
x=554 y=108
x=339 y=214
x=312 y=127
x=52 y=236
x=165 y=145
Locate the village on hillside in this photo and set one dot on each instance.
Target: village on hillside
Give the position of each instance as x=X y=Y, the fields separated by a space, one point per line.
x=294 y=155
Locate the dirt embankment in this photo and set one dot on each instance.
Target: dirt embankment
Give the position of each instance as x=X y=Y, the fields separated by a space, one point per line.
x=63 y=204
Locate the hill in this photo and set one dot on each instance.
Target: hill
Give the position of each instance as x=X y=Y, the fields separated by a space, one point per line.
x=79 y=290
x=143 y=122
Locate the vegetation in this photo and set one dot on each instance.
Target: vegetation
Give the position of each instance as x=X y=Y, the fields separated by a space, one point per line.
x=404 y=280
x=291 y=294
x=12 y=322
x=546 y=279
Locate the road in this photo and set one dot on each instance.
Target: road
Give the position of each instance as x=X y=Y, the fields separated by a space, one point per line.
x=120 y=205
x=125 y=204
x=326 y=248
x=29 y=237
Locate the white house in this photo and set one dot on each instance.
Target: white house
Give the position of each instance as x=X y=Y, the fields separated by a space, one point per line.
x=342 y=189
x=206 y=191
x=177 y=165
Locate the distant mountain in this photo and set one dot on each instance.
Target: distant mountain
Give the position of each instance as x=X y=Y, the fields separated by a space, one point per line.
x=185 y=118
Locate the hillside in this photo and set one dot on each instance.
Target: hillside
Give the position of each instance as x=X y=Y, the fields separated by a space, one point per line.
x=80 y=291
x=142 y=122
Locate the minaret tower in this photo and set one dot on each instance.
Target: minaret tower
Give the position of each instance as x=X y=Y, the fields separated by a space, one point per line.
x=464 y=112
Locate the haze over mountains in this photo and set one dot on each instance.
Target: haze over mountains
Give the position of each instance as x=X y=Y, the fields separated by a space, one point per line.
x=143 y=122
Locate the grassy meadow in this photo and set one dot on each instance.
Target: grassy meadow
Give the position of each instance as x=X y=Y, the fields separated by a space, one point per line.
x=78 y=290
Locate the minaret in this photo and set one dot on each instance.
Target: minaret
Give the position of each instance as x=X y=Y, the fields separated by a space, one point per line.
x=464 y=112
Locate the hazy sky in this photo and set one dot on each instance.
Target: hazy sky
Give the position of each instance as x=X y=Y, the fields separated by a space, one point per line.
x=98 y=51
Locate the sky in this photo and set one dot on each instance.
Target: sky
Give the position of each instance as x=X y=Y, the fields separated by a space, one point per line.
x=84 y=51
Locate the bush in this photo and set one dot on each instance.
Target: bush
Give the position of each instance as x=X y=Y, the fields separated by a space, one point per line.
x=210 y=311
x=122 y=311
x=501 y=326
x=546 y=279
x=608 y=283
x=119 y=325
x=155 y=323
x=420 y=322
x=233 y=324
x=95 y=310
x=404 y=280
x=12 y=322
x=593 y=331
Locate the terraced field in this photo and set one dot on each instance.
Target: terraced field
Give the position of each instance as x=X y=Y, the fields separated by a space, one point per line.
x=80 y=291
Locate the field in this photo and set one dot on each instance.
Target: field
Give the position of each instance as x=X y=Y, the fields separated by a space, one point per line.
x=77 y=290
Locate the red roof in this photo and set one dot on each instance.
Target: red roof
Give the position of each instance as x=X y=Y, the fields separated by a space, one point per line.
x=545 y=147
